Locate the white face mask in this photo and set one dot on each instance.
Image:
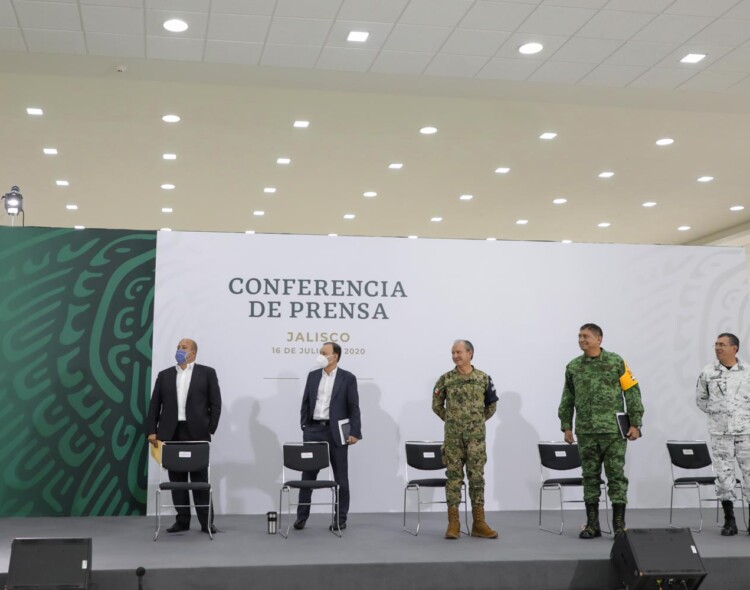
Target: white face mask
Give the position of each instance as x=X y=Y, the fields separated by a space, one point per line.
x=321 y=361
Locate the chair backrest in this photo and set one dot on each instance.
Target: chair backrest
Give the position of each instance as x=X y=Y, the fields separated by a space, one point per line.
x=306 y=456
x=185 y=456
x=689 y=454
x=559 y=455
x=424 y=454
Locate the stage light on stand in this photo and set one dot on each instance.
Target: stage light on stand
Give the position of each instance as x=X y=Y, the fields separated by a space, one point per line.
x=13 y=202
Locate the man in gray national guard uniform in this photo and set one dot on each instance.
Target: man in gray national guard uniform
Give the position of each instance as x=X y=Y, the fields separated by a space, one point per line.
x=723 y=392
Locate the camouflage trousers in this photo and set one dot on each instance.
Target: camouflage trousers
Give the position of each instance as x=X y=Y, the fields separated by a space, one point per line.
x=725 y=448
x=457 y=452
x=608 y=450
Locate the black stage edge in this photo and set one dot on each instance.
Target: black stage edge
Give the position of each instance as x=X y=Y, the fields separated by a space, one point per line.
x=373 y=554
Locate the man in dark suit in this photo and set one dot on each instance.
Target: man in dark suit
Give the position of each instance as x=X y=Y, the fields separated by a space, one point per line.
x=186 y=405
x=330 y=397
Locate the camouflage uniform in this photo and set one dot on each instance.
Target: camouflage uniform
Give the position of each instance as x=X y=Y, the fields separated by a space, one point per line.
x=593 y=390
x=724 y=394
x=464 y=403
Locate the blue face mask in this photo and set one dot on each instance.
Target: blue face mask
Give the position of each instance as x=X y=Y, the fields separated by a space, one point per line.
x=181 y=356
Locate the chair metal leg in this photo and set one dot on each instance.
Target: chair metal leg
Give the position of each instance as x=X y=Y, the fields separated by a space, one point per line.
x=335 y=516
x=410 y=488
x=158 y=514
x=466 y=510
x=606 y=512
x=542 y=489
x=210 y=506
x=288 y=513
x=700 y=506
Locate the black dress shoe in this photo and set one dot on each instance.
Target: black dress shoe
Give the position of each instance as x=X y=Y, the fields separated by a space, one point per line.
x=177 y=528
x=214 y=530
x=342 y=526
x=299 y=524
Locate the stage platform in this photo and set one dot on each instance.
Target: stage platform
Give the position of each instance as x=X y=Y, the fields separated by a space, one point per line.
x=373 y=554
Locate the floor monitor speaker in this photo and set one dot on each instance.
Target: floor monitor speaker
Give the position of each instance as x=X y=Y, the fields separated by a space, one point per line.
x=657 y=559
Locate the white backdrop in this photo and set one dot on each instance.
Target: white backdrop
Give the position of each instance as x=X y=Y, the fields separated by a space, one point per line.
x=520 y=303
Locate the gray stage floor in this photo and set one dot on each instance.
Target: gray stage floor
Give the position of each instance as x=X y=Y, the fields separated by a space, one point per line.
x=125 y=543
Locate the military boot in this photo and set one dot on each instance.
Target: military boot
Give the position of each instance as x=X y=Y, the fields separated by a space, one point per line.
x=730 y=524
x=479 y=527
x=592 y=528
x=454 y=523
x=618 y=518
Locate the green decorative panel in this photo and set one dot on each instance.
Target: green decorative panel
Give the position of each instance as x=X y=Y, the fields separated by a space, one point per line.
x=76 y=317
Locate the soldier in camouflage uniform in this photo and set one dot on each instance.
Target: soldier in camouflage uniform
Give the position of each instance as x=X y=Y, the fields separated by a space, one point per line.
x=594 y=386
x=465 y=398
x=723 y=392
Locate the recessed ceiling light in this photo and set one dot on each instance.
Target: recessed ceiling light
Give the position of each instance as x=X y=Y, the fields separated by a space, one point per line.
x=502 y=170
x=606 y=175
x=357 y=36
x=436 y=219
x=683 y=228
x=466 y=197
x=736 y=208
x=284 y=161
x=166 y=229
x=428 y=130
x=567 y=241
x=166 y=209
x=36 y=112
x=175 y=25
x=395 y=166
x=333 y=235
x=604 y=224
x=665 y=141
x=491 y=239
x=269 y=189
x=693 y=58
x=530 y=48
x=169 y=156
x=521 y=221
x=412 y=237
x=349 y=216
x=50 y=151
x=79 y=227
x=259 y=213
x=71 y=207
x=548 y=135
x=250 y=231
x=370 y=194
x=167 y=187
x=560 y=201
x=649 y=204
x=171 y=118
x=705 y=179
x=302 y=124
x=62 y=183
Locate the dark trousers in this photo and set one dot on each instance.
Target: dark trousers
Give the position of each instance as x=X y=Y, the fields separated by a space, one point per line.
x=183 y=496
x=339 y=463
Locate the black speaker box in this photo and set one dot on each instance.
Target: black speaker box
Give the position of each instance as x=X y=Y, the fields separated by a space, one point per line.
x=49 y=564
x=657 y=559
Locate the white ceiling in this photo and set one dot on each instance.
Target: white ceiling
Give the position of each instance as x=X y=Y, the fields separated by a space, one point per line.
x=609 y=82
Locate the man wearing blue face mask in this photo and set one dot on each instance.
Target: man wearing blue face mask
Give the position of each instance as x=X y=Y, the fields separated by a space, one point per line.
x=186 y=405
x=330 y=413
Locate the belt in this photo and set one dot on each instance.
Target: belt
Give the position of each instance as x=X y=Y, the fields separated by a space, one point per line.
x=323 y=422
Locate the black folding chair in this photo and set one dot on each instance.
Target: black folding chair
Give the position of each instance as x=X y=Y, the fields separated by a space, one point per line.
x=308 y=456
x=426 y=455
x=560 y=456
x=184 y=457
x=693 y=456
